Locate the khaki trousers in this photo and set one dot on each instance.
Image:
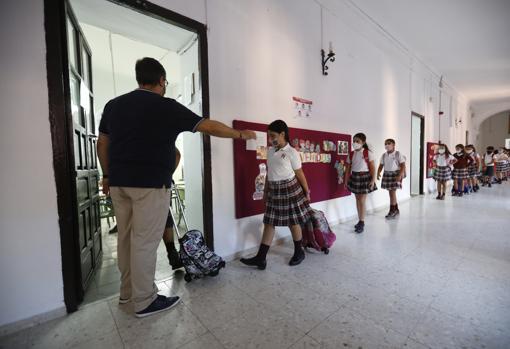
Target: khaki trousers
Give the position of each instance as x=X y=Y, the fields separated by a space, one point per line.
x=141 y=216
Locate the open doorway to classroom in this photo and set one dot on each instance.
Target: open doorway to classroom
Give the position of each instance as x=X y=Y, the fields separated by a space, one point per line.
x=112 y=38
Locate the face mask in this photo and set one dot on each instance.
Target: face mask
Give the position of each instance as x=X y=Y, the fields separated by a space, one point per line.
x=489 y=152
x=388 y=147
x=469 y=151
x=356 y=146
x=459 y=152
x=441 y=151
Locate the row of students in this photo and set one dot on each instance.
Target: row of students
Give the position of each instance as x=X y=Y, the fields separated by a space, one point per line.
x=287 y=195
x=466 y=163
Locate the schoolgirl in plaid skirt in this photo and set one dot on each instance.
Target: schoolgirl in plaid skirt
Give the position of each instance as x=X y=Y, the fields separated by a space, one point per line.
x=360 y=176
x=473 y=168
x=442 y=170
x=460 y=170
x=286 y=195
x=393 y=164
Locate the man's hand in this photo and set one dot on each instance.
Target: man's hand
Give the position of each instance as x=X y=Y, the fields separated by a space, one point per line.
x=371 y=185
x=247 y=134
x=106 y=186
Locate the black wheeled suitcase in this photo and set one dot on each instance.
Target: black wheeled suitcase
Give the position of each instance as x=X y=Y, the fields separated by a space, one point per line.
x=197 y=258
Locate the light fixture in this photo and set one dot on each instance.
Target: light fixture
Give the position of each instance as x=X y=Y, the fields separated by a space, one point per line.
x=326 y=58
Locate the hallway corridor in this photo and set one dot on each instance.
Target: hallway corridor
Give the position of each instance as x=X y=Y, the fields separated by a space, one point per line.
x=437 y=277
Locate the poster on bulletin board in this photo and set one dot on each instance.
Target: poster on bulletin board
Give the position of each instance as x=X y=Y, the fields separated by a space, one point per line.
x=323 y=156
x=431 y=151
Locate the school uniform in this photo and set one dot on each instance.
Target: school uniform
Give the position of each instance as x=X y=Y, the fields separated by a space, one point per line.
x=461 y=166
x=489 y=165
x=443 y=172
x=359 y=181
x=286 y=203
x=473 y=168
x=392 y=162
x=501 y=161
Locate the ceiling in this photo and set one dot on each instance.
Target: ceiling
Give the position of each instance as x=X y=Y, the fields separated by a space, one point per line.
x=468 y=41
x=131 y=24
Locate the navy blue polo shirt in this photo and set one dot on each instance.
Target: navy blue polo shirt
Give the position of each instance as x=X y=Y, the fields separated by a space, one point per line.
x=142 y=127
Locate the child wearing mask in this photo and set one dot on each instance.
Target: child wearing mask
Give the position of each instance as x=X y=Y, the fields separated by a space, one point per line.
x=394 y=165
x=360 y=176
x=501 y=159
x=443 y=172
x=286 y=195
x=473 y=168
x=488 y=166
x=460 y=169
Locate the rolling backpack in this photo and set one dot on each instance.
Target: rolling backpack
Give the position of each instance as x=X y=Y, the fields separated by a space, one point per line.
x=317 y=234
x=198 y=260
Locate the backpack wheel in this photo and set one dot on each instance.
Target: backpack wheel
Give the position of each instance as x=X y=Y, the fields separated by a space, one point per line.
x=187 y=277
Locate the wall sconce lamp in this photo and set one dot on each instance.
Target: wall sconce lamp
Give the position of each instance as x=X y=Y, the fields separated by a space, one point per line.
x=326 y=58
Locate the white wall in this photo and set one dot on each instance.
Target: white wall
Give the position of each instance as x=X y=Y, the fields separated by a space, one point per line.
x=494 y=131
x=261 y=53
x=30 y=259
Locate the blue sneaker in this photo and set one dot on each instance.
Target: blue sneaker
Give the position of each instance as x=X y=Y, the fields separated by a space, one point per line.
x=161 y=303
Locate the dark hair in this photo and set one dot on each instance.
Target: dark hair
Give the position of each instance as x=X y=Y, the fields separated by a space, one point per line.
x=149 y=71
x=490 y=148
x=496 y=152
x=461 y=146
x=363 y=138
x=280 y=126
x=390 y=140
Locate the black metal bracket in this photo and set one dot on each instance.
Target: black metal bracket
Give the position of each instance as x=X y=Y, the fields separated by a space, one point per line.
x=325 y=58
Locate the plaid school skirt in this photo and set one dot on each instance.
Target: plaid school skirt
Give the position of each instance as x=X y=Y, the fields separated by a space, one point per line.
x=461 y=173
x=286 y=204
x=501 y=166
x=359 y=183
x=443 y=173
x=473 y=171
x=389 y=180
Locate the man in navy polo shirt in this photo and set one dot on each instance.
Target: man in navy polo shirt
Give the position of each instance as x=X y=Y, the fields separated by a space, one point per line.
x=136 y=149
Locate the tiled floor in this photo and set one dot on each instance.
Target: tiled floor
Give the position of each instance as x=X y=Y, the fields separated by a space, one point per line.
x=437 y=277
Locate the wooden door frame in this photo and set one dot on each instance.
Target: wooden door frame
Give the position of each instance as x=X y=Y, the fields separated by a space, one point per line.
x=422 y=155
x=62 y=138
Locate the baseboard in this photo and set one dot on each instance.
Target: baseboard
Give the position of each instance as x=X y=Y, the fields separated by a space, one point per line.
x=32 y=321
x=372 y=210
x=252 y=250
x=286 y=239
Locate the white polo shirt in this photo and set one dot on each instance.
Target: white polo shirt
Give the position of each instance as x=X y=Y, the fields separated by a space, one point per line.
x=358 y=162
x=392 y=161
x=443 y=160
x=488 y=159
x=282 y=163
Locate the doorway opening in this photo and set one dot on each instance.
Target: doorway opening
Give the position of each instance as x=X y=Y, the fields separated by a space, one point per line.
x=93 y=50
x=417 y=153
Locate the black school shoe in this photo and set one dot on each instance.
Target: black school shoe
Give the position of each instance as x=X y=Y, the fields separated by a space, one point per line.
x=358 y=228
x=161 y=303
x=295 y=260
x=254 y=262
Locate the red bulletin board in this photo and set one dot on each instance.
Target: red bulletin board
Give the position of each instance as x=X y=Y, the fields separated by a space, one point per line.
x=322 y=177
x=431 y=150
